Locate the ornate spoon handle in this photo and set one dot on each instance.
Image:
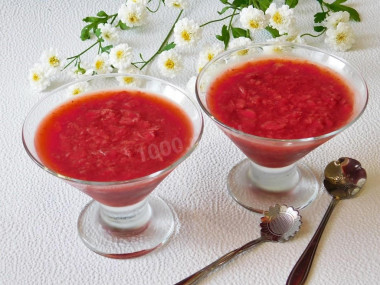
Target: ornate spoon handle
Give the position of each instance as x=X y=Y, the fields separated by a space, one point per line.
x=301 y=269
x=192 y=279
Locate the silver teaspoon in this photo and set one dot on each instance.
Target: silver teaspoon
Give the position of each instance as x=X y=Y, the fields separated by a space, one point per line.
x=279 y=224
x=343 y=179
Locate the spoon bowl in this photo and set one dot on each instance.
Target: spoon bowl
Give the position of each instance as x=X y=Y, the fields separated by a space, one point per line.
x=344 y=178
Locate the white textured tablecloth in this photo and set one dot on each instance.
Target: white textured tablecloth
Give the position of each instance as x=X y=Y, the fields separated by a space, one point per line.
x=39 y=243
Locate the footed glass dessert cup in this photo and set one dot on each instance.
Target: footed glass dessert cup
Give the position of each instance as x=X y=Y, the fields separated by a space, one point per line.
x=272 y=173
x=123 y=220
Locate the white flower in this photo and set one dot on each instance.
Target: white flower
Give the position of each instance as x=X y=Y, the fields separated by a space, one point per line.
x=109 y=33
x=253 y=19
x=121 y=56
x=51 y=61
x=129 y=81
x=132 y=15
x=293 y=37
x=102 y=64
x=186 y=33
x=277 y=45
x=342 y=38
x=38 y=77
x=207 y=54
x=240 y=42
x=78 y=88
x=169 y=63
x=274 y=49
x=190 y=86
x=334 y=19
x=180 y=4
x=141 y=2
x=281 y=18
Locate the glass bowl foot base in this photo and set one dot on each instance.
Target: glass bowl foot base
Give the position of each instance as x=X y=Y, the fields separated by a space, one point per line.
x=121 y=243
x=244 y=191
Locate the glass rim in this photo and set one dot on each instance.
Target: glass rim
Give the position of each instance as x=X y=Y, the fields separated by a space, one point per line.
x=258 y=45
x=120 y=182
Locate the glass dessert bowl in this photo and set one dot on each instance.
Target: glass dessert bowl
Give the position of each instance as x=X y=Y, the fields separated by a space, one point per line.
x=116 y=145
x=276 y=104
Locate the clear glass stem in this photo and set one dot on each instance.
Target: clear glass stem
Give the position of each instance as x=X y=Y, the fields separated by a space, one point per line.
x=128 y=217
x=274 y=179
x=126 y=232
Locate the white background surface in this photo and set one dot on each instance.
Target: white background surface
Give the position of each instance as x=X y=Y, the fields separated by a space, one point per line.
x=39 y=243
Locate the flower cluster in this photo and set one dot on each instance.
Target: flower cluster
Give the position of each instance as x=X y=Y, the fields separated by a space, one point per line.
x=339 y=33
x=133 y=13
x=41 y=74
x=253 y=20
x=280 y=18
x=112 y=55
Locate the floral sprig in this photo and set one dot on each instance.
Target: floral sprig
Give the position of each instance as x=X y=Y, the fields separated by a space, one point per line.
x=334 y=21
x=240 y=20
x=165 y=46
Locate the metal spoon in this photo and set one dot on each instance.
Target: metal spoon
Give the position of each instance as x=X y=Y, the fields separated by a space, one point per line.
x=279 y=224
x=343 y=179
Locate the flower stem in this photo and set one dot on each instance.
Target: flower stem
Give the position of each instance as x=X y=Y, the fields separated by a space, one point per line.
x=163 y=43
x=154 y=11
x=314 y=36
x=218 y=20
x=232 y=16
x=113 y=18
x=76 y=57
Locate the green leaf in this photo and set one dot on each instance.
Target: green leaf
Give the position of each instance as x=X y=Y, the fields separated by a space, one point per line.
x=256 y=4
x=223 y=10
x=91 y=19
x=168 y=46
x=354 y=15
x=320 y=17
x=122 y=26
x=85 y=33
x=219 y=37
x=239 y=32
x=98 y=32
x=262 y=4
x=274 y=32
x=336 y=7
x=224 y=37
x=240 y=3
x=339 y=1
x=94 y=27
x=292 y=3
x=80 y=69
x=248 y=35
x=102 y=14
x=319 y=29
x=224 y=1
x=106 y=48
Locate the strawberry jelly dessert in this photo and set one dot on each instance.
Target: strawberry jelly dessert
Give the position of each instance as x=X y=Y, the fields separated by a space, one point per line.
x=113 y=136
x=280 y=98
